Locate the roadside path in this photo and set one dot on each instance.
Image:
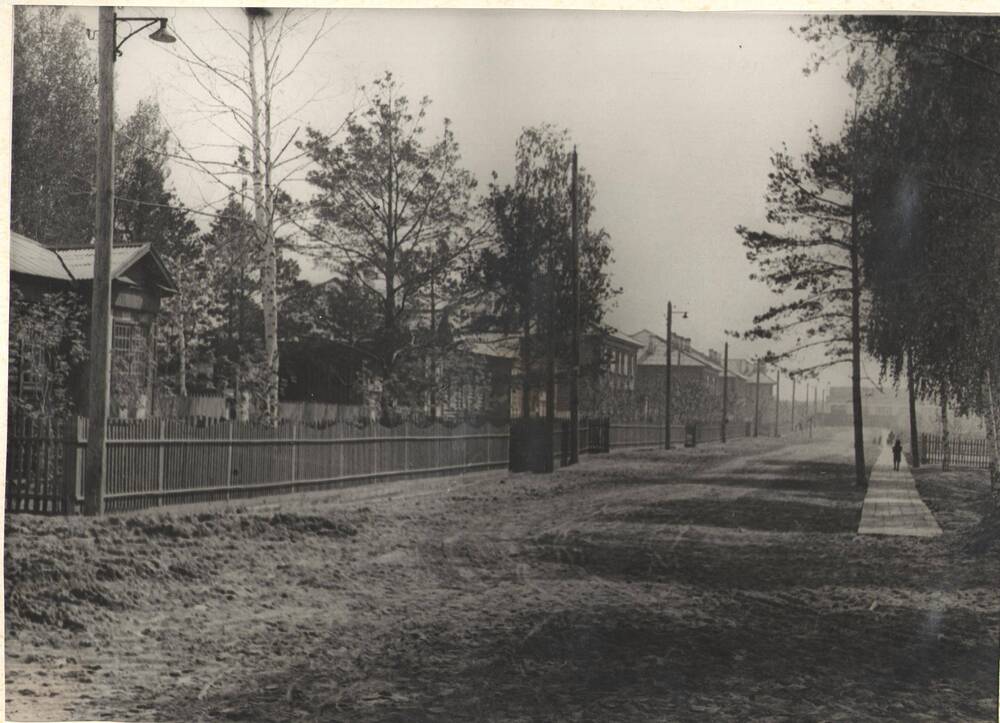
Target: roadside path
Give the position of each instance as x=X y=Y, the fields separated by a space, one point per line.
x=893 y=505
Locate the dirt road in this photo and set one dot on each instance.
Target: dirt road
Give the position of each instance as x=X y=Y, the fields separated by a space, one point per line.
x=719 y=583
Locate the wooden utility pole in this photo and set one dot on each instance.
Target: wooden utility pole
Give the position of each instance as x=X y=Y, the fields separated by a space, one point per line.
x=793 y=403
x=434 y=340
x=99 y=400
x=574 y=380
x=550 y=366
x=725 y=390
x=756 y=401
x=777 y=396
x=666 y=413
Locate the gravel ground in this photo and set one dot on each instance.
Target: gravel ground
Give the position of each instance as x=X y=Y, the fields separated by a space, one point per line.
x=717 y=583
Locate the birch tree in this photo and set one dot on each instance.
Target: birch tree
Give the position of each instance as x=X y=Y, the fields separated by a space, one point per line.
x=934 y=262
x=238 y=96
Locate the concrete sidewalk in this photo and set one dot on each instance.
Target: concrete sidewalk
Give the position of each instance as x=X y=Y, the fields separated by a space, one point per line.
x=893 y=505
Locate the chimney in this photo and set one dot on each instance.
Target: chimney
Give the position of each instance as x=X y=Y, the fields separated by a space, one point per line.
x=713 y=355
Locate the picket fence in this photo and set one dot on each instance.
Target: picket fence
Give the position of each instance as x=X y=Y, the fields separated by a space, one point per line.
x=158 y=462
x=38 y=478
x=965 y=451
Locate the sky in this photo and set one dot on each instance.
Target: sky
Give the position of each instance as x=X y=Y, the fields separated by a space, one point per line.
x=674 y=115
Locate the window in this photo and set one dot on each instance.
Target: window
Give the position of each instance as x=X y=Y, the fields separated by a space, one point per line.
x=129 y=355
x=32 y=367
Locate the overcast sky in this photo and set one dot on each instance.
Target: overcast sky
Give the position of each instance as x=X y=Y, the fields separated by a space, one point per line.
x=675 y=116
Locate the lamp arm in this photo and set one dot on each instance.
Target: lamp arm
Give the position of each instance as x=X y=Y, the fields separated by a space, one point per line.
x=118 y=45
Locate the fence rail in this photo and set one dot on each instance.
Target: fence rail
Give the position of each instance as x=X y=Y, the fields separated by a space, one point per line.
x=965 y=451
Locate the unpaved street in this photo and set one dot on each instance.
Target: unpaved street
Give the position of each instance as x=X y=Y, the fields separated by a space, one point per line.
x=717 y=583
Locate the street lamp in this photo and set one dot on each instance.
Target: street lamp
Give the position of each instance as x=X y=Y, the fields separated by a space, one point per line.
x=666 y=420
x=99 y=400
x=160 y=36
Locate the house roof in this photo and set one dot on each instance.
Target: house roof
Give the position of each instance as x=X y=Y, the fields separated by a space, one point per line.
x=655 y=354
x=29 y=257
x=656 y=351
x=620 y=338
x=492 y=344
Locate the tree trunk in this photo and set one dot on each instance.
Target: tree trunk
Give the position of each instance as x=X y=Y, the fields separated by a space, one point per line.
x=182 y=357
x=911 y=392
x=525 y=369
x=860 y=473
x=945 y=436
x=264 y=230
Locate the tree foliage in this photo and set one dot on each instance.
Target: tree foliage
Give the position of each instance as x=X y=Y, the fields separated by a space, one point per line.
x=394 y=211
x=54 y=116
x=524 y=275
x=47 y=342
x=805 y=257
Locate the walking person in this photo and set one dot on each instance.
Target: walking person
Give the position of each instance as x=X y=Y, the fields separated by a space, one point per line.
x=897 y=454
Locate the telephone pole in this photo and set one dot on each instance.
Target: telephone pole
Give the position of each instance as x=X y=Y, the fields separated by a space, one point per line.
x=756 y=401
x=793 y=403
x=666 y=415
x=725 y=390
x=574 y=379
x=550 y=367
x=777 y=397
x=98 y=396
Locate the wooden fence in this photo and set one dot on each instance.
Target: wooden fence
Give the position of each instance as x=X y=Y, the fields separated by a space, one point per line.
x=157 y=462
x=38 y=477
x=965 y=451
x=162 y=462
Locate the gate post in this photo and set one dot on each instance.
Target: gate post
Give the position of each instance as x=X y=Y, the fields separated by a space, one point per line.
x=71 y=466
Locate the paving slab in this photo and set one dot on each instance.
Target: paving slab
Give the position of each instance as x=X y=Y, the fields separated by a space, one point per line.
x=893 y=505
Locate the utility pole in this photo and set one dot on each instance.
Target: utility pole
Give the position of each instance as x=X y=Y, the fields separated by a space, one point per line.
x=756 y=401
x=99 y=400
x=574 y=380
x=434 y=340
x=666 y=415
x=550 y=367
x=793 y=403
x=725 y=390
x=777 y=396
x=808 y=415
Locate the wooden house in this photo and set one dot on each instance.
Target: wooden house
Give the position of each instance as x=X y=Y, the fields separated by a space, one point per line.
x=139 y=282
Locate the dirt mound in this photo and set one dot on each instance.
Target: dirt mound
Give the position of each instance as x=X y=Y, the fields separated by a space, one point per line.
x=78 y=574
x=312 y=524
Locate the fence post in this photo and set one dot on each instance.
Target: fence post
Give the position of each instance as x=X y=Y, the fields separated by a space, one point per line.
x=229 y=458
x=69 y=466
x=406 y=447
x=160 y=454
x=295 y=447
x=376 y=449
x=465 y=446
